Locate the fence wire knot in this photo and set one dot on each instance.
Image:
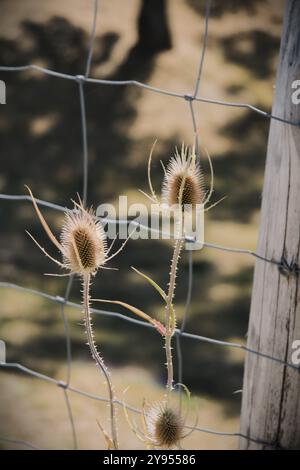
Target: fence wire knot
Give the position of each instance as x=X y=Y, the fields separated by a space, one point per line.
x=286 y=269
x=62 y=384
x=189 y=97
x=60 y=300
x=80 y=78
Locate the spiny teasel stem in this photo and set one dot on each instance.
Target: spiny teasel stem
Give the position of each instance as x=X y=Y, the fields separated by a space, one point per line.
x=170 y=313
x=98 y=359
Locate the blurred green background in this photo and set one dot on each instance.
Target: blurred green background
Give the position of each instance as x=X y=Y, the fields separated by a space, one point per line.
x=41 y=146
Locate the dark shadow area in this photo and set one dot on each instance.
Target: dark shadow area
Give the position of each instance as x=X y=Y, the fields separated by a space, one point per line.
x=220 y=7
x=42 y=126
x=239 y=173
x=253 y=50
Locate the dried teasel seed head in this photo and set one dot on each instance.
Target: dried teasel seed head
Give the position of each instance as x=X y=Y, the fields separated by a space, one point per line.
x=83 y=242
x=183 y=180
x=165 y=425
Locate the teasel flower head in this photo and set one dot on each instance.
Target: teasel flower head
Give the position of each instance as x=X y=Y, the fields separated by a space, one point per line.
x=164 y=425
x=183 y=182
x=83 y=242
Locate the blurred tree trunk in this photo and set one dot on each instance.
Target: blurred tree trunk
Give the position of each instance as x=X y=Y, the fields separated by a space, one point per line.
x=271 y=391
x=153 y=29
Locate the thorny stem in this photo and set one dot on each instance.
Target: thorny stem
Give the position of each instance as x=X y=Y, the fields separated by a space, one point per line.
x=170 y=313
x=98 y=359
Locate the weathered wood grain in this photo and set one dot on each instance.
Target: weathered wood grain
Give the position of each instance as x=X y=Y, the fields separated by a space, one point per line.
x=271 y=392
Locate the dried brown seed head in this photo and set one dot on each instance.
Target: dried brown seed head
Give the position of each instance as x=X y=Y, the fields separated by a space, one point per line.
x=165 y=425
x=83 y=242
x=183 y=182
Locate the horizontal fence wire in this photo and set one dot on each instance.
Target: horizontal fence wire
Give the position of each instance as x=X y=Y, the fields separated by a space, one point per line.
x=230 y=249
x=64 y=301
x=121 y=316
x=78 y=391
x=186 y=96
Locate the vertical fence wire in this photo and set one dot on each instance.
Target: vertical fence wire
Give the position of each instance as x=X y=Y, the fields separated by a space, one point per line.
x=190 y=252
x=80 y=80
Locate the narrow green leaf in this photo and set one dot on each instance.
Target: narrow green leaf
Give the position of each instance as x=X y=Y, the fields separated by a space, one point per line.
x=157 y=324
x=153 y=283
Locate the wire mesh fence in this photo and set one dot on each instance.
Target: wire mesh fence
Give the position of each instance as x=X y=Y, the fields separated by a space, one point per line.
x=282 y=265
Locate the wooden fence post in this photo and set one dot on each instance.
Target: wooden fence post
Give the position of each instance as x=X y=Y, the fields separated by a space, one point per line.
x=271 y=391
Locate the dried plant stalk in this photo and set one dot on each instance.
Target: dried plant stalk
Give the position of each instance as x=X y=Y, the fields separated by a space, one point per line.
x=84 y=250
x=98 y=359
x=170 y=313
